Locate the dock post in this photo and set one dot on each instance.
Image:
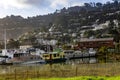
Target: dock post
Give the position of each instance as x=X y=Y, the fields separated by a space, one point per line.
x=76 y=70
x=15 y=75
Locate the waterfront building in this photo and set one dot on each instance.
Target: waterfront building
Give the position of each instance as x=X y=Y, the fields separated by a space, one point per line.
x=96 y=43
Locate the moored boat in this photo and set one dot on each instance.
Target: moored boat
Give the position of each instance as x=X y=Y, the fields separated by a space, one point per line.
x=68 y=54
x=21 y=57
x=71 y=54
x=54 y=57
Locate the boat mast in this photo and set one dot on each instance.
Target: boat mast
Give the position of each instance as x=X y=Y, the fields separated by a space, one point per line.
x=5 y=39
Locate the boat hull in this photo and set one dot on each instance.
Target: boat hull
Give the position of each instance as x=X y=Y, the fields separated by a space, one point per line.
x=77 y=56
x=34 y=62
x=6 y=63
x=56 y=60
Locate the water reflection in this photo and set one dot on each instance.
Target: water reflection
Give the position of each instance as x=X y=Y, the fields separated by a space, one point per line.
x=12 y=68
x=4 y=69
x=82 y=61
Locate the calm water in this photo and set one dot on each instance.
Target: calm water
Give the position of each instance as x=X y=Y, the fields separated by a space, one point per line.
x=81 y=61
x=10 y=69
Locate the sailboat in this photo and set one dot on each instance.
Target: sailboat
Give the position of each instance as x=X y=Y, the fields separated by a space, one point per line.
x=4 y=55
x=17 y=56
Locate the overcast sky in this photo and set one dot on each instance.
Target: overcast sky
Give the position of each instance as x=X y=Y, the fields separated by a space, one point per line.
x=30 y=8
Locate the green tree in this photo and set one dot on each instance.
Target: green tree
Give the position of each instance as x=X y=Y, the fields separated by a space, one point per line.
x=99 y=4
x=87 y=5
x=116 y=2
x=102 y=51
x=1 y=46
x=116 y=35
x=89 y=33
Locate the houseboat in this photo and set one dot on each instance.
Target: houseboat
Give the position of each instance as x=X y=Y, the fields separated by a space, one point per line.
x=68 y=54
x=71 y=54
x=53 y=57
x=78 y=54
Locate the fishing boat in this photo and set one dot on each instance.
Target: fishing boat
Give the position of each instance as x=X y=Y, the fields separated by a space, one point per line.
x=20 y=57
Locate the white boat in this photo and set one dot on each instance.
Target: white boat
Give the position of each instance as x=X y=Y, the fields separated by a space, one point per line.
x=78 y=54
x=21 y=57
x=34 y=62
x=71 y=54
x=92 y=52
x=68 y=54
x=18 y=56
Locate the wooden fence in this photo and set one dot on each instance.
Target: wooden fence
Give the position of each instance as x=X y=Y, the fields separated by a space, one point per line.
x=59 y=70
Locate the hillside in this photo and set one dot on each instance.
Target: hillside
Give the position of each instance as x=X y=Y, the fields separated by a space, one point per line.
x=96 y=18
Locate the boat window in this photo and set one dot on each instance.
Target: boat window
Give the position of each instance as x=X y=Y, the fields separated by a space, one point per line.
x=54 y=55
x=62 y=56
x=21 y=54
x=66 y=53
x=57 y=54
x=31 y=58
x=16 y=55
x=25 y=55
x=36 y=57
x=45 y=55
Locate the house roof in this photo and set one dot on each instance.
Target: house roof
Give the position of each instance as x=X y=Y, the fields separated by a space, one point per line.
x=99 y=39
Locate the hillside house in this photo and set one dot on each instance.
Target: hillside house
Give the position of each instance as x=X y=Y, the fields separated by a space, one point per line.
x=26 y=45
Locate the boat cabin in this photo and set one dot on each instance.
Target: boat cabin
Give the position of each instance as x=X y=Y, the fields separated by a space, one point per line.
x=53 y=55
x=66 y=52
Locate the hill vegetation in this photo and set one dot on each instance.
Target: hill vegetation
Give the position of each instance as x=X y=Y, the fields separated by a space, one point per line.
x=91 y=20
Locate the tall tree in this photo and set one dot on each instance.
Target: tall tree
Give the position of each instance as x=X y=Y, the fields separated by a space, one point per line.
x=99 y=4
x=87 y=5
